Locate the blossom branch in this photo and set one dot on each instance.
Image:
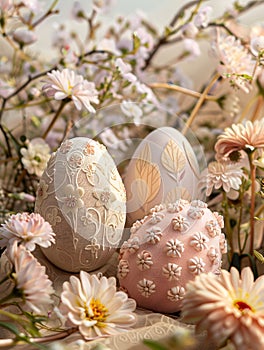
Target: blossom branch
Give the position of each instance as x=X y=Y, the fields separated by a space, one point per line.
x=252 y=200
x=47 y=14
x=57 y=114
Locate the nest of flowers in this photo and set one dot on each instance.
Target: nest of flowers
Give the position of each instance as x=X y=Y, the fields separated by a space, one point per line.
x=46 y=101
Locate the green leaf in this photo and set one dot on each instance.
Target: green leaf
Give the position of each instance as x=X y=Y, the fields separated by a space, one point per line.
x=152 y=344
x=10 y=326
x=136 y=42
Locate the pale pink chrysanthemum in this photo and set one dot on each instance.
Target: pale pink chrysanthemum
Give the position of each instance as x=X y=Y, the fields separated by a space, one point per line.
x=67 y=84
x=235 y=61
x=96 y=307
x=31 y=282
x=28 y=229
x=227 y=307
x=238 y=137
x=222 y=175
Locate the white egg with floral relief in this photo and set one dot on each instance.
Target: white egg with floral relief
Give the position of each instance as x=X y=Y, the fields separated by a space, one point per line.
x=82 y=196
x=168 y=248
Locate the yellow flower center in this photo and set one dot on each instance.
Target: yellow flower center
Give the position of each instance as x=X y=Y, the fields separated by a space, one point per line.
x=96 y=311
x=242 y=306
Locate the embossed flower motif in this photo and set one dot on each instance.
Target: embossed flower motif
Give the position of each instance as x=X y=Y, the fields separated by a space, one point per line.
x=213 y=255
x=153 y=235
x=89 y=149
x=172 y=271
x=174 y=248
x=72 y=200
x=156 y=217
x=104 y=198
x=146 y=287
x=75 y=160
x=132 y=245
x=180 y=223
x=175 y=293
x=157 y=208
x=123 y=268
x=223 y=244
x=219 y=219
x=66 y=146
x=52 y=216
x=176 y=206
x=199 y=241
x=144 y=260
x=89 y=169
x=93 y=247
x=213 y=228
x=196 y=210
x=196 y=265
x=87 y=218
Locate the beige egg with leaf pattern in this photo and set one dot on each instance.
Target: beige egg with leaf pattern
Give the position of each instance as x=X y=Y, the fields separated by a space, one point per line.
x=163 y=169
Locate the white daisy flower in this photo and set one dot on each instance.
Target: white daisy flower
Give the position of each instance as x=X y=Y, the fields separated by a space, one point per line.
x=95 y=307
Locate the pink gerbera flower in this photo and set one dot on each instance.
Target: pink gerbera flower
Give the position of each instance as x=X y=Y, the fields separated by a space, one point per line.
x=240 y=137
x=227 y=307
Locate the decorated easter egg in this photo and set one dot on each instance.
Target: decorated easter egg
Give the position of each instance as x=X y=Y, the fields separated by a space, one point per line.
x=82 y=196
x=163 y=169
x=168 y=248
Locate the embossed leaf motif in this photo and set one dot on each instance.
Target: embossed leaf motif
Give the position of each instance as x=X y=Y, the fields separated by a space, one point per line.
x=177 y=193
x=148 y=180
x=173 y=158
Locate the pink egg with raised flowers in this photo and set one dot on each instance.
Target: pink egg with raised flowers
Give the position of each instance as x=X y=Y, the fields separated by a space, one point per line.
x=168 y=248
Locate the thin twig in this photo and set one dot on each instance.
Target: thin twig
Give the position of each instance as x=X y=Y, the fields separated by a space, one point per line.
x=182 y=90
x=62 y=105
x=199 y=103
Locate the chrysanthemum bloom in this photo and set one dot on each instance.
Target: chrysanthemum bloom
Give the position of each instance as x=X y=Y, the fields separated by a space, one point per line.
x=27 y=229
x=225 y=175
x=67 y=84
x=240 y=137
x=36 y=156
x=31 y=282
x=227 y=307
x=236 y=62
x=96 y=307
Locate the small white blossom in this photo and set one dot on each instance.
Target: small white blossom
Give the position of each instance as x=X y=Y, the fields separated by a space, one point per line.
x=144 y=260
x=199 y=241
x=131 y=109
x=154 y=235
x=177 y=206
x=213 y=255
x=125 y=70
x=176 y=293
x=174 y=248
x=156 y=217
x=132 y=245
x=213 y=228
x=257 y=45
x=146 y=287
x=196 y=265
x=24 y=36
x=172 y=271
x=35 y=156
x=123 y=268
x=180 y=223
x=201 y=19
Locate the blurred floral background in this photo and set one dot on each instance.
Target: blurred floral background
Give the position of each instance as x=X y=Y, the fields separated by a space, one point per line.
x=79 y=67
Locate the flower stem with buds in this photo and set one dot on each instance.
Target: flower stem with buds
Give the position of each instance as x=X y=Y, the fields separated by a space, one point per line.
x=252 y=200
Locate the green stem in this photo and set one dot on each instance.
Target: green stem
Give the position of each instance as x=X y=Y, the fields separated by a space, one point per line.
x=227 y=225
x=252 y=201
x=8 y=297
